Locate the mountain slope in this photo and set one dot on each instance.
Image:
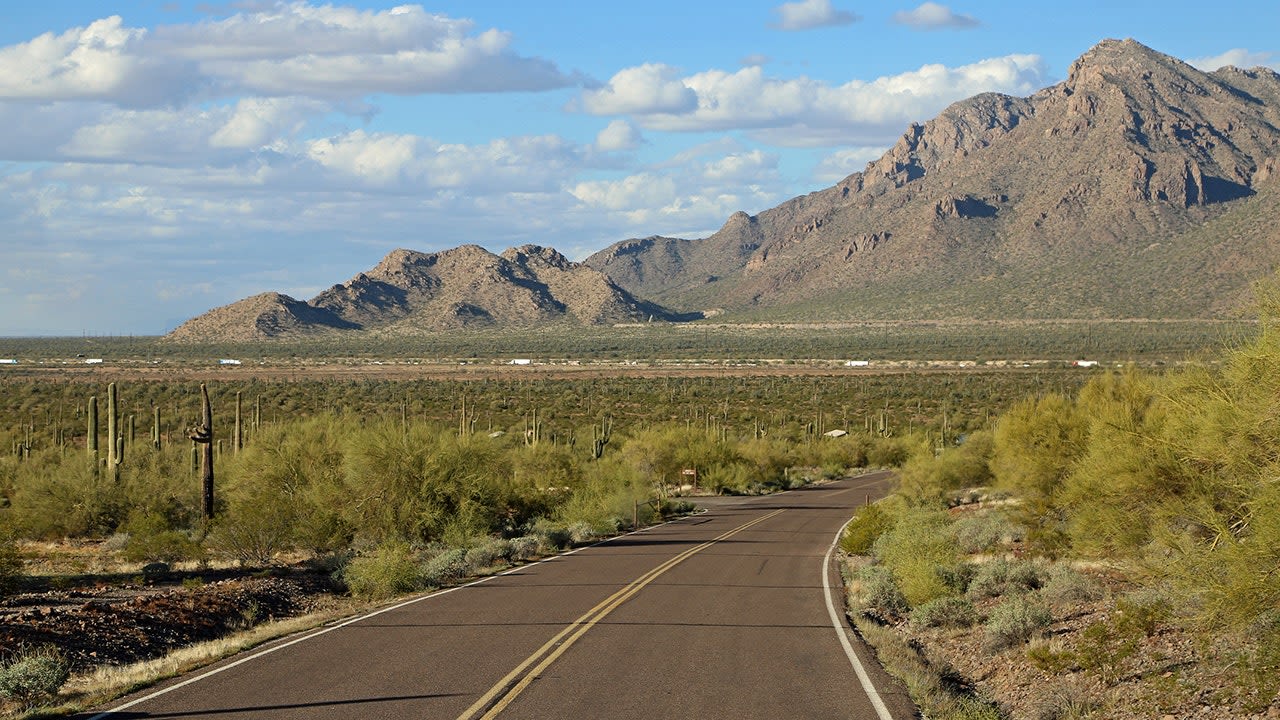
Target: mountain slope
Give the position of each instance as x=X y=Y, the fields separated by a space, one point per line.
x=1093 y=198
x=411 y=292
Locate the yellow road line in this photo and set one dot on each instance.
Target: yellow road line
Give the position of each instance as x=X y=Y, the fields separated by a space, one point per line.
x=506 y=689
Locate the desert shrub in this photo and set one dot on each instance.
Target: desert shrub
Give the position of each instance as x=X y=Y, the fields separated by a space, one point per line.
x=489 y=552
x=945 y=612
x=152 y=540
x=981 y=532
x=1036 y=444
x=446 y=567
x=33 y=676
x=1142 y=611
x=1003 y=577
x=920 y=551
x=867 y=525
x=581 y=532
x=1016 y=621
x=11 y=566
x=876 y=595
x=391 y=569
x=929 y=477
x=891 y=451
x=524 y=548
x=1104 y=648
x=1065 y=584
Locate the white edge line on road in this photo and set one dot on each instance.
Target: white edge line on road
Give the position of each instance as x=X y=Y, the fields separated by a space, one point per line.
x=837 y=620
x=106 y=714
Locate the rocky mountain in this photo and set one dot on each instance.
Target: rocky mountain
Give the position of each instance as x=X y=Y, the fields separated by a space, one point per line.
x=1138 y=187
x=412 y=292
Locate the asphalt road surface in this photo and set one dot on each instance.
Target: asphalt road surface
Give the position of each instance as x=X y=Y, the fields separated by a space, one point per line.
x=733 y=613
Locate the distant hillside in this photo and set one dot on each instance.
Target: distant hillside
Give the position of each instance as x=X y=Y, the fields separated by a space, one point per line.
x=411 y=292
x=1139 y=187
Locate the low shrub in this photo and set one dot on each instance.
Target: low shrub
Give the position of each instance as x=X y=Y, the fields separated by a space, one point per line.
x=33 y=676
x=11 y=567
x=447 y=566
x=876 y=595
x=868 y=524
x=980 y=533
x=389 y=570
x=1065 y=584
x=524 y=548
x=1016 y=621
x=1004 y=577
x=946 y=612
x=489 y=552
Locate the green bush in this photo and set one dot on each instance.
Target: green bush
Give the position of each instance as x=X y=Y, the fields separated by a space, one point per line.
x=877 y=595
x=867 y=525
x=1016 y=621
x=446 y=567
x=33 y=676
x=152 y=540
x=945 y=612
x=979 y=533
x=11 y=566
x=921 y=553
x=1004 y=577
x=391 y=569
x=1066 y=585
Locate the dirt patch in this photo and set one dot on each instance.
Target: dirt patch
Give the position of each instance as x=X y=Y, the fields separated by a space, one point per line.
x=121 y=624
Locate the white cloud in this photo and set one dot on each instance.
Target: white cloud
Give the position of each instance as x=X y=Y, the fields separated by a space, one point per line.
x=620 y=135
x=102 y=61
x=289 y=49
x=932 y=16
x=843 y=163
x=802 y=111
x=810 y=14
x=1239 y=57
x=648 y=88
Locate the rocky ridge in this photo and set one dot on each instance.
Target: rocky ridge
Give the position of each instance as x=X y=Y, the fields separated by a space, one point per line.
x=1083 y=200
x=412 y=292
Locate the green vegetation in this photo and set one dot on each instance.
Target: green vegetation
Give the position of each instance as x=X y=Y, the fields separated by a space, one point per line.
x=33 y=675
x=1138 y=340
x=1165 y=480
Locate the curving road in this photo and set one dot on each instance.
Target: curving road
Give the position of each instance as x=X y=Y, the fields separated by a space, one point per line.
x=731 y=613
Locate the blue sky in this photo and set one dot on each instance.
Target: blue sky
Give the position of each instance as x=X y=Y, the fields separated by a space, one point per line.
x=162 y=158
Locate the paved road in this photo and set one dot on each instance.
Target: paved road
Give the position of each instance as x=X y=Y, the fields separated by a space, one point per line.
x=723 y=614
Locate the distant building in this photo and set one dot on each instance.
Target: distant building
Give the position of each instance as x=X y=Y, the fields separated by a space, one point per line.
x=227 y=361
x=857 y=363
x=1085 y=363
x=8 y=361
x=521 y=361
x=93 y=361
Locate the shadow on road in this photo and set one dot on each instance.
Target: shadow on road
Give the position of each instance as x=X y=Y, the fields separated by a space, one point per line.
x=128 y=715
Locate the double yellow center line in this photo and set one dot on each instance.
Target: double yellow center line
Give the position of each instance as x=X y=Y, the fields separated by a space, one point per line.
x=508 y=688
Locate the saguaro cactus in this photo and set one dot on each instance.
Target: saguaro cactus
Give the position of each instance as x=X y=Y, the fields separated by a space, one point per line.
x=113 y=433
x=91 y=437
x=202 y=435
x=237 y=440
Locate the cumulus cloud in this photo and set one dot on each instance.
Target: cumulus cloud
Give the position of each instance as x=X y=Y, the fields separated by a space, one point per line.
x=648 y=88
x=843 y=163
x=932 y=16
x=1238 y=57
x=810 y=14
x=690 y=193
x=620 y=135
x=802 y=111
x=286 y=50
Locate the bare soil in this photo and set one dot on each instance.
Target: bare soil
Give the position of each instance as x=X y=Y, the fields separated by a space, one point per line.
x=110 y=623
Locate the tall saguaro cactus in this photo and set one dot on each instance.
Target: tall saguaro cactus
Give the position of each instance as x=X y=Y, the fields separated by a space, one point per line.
x=202 y=435
x=91 y=436
x=113 y=433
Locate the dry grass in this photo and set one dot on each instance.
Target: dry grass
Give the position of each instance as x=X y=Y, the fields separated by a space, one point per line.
x=97 y=687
